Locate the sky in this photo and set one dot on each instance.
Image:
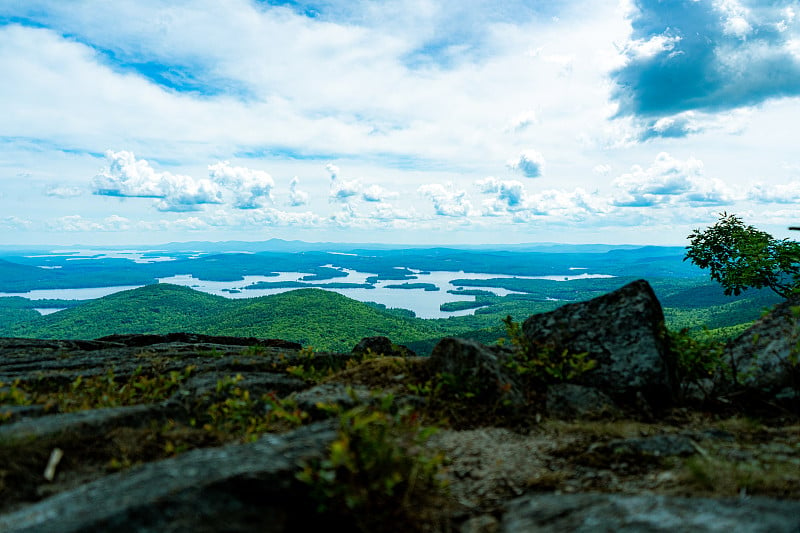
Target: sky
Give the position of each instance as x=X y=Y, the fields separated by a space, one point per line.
x=397 y=121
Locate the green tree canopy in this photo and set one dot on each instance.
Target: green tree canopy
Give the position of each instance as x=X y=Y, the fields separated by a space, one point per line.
x=740 y=257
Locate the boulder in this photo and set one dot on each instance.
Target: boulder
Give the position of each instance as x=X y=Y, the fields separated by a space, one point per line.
x=615 y=512
x=761 y=357
x=624 y=332
x=381 y=346
x=318 y=400
x=239 y=487
x=478 y=369
x=652 y=446
x=567 y=401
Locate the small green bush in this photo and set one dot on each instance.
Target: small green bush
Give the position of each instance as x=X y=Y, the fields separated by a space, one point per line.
x=377 y=465
x=542 y=363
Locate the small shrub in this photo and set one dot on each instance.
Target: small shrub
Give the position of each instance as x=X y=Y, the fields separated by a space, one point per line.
x=254 y=351
x=213 y=352
x=543 y=363
x=237 y=414
x=314 y=367
x=377 y=466
x=13 y=394
x=108 y=391
x=697 y=359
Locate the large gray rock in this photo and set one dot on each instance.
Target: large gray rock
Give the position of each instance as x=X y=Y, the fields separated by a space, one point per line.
x=596 y=513
x=478 y=369
x=567 y=400
x=761 y=355
x=93 y=422
x=381 y=346
x=320 y=399
x=241 y=487
x=623 y=331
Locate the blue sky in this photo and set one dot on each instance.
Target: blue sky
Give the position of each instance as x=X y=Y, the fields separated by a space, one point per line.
x=400 y=121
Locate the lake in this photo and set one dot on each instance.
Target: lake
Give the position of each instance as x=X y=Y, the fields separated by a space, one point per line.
x=424 y=303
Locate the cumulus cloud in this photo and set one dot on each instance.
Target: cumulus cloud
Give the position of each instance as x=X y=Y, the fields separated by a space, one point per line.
x=713 y=56
x=376 y=193
x=270 y=216
x=523 y=121
x=192 y=223
x=348 y=190
x=735 y=17
x=603 y=169
x=447 y=200
x=670 y=181
x=63 y=192
x=561 y=206
x=341 y=190
x=77 y=223
x=530 y=163
x=509 y=195
x=787 y=193
x=250 y=188
x=15 y=223
x=128 y=177
x=386 y=212
x=679 y=125
x=296 y=196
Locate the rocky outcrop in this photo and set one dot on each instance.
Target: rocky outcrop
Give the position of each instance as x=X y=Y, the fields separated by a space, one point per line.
x=568 y=401
x=623 y=331
x=240 y=487
x=381 y=346
x=613 y=512
x=479 y=369
x=766 y=357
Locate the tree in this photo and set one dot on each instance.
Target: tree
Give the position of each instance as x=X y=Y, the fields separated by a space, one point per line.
x=741 y=257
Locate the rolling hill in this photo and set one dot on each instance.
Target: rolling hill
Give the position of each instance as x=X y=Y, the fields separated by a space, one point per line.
x=314 y=317
x=329 y=321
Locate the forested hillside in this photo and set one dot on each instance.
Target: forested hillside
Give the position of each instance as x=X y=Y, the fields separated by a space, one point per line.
x=313 y=317
x=330 y=321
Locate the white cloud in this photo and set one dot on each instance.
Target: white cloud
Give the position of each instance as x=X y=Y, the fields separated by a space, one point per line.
x=784 y=193
x=603 y=169
x=128 y=177
x=250 y=188
x=670 y=181
x=523 y=121
x=735 y=18
x=642 y=49
x=64 y=192
x=77 y=223
x=509 y=195
x=376 y=193
x=573 y=205
x=530 y=163
x=386 y=212
x=447 y=199
x=296 y=196
x=15 y=223
x=433 y=92
x=341 y=190
x=192 y=223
